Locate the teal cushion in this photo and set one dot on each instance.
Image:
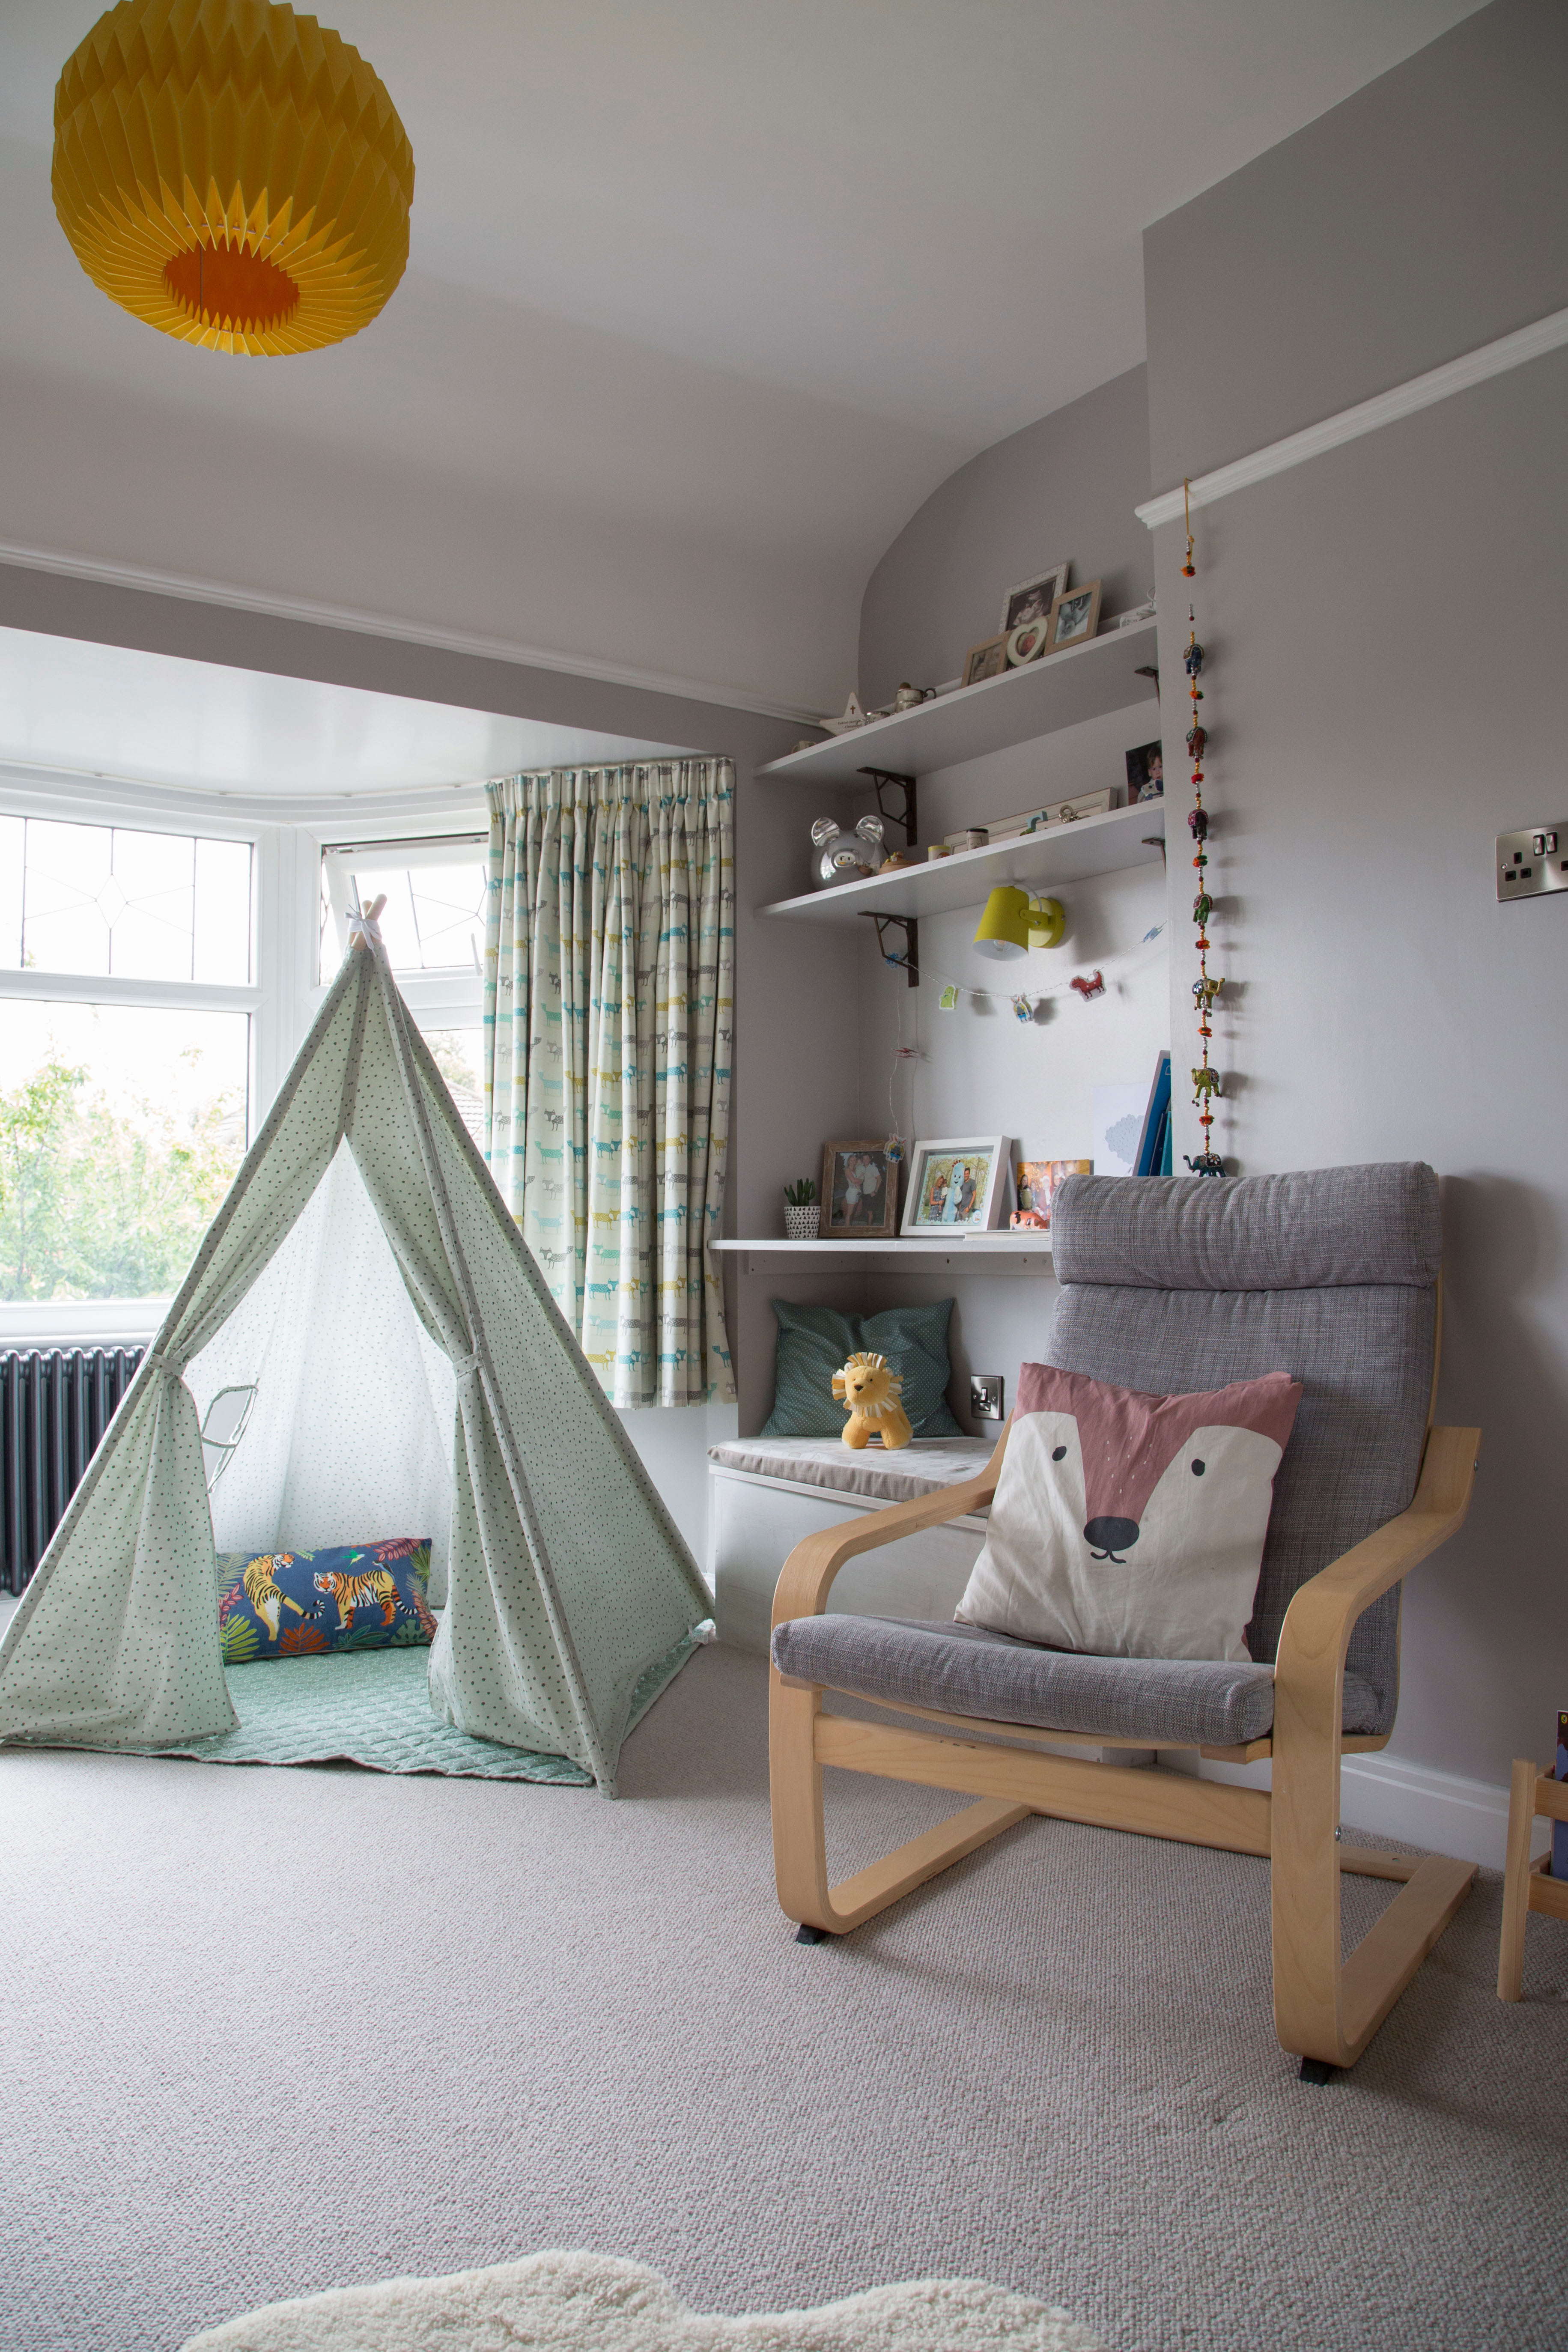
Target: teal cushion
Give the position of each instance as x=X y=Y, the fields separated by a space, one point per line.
x=815 y=1341
x=295 y=1604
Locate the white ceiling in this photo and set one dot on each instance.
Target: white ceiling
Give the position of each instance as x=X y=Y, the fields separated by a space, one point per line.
x=702 y=293
x=288 y=747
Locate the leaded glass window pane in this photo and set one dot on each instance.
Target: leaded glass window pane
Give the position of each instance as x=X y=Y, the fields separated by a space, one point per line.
x=113 y=899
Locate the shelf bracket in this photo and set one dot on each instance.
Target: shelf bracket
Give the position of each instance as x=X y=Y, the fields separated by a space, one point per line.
x=882 y=781
x=910 y=961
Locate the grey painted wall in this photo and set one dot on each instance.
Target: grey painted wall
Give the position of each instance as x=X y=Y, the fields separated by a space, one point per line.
x=1387 y=691
x=1064 y=487
x=1423 y=216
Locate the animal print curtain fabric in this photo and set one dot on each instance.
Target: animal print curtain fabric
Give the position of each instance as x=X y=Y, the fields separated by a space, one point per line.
x=609 y=986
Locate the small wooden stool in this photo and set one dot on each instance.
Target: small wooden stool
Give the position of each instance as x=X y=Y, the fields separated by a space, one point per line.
x=1526 y=1887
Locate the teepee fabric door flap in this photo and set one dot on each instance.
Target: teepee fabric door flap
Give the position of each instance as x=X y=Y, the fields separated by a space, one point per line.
x=116 y=1642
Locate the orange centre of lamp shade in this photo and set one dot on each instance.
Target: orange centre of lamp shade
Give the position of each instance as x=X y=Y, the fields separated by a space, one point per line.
x=226 y=284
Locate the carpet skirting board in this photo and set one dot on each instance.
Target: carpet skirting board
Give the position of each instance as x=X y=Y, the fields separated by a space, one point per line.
x=268 y=2034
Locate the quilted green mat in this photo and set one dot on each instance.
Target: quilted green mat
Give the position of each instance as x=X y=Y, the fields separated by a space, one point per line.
x=362 y=1707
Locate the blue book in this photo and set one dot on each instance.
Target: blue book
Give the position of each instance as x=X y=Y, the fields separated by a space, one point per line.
x=1560 y=1829
x=1154 y=1143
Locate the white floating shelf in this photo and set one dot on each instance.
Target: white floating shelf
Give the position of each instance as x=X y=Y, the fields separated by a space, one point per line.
x=1063 y=690
x=1064 y=853
x=1000 y=1244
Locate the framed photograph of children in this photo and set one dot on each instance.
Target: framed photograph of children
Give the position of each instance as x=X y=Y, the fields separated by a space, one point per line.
x=860 y=1191
x=958 y=1183
x=1075 y=617
x=1032 y=600
x=1145 y=773
x=986 y=660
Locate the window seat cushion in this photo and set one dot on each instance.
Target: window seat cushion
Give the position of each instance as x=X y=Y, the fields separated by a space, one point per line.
x=966 y=1670
x=919 y=1468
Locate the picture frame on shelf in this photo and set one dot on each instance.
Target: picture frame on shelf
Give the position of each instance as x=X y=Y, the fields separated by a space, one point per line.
x=1037 y=1180
x=1026 y=643
x=1145 y=773
x=1032 y=600
x=987 y=659
x=859 y=1190
x=958 y=1185
x=1075 y=617
x=1118 y=1114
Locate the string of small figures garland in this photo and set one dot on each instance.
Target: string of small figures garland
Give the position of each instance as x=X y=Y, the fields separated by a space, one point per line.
x=1024 y=1007
x=1206 y=1078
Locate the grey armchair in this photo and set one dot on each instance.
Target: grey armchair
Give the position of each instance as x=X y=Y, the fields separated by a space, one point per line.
x=1171 y=1284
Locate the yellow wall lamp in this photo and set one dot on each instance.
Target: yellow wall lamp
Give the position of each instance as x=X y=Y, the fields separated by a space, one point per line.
x=1013 y=923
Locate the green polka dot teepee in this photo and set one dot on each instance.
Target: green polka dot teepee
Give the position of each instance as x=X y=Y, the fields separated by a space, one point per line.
x=412 y=1375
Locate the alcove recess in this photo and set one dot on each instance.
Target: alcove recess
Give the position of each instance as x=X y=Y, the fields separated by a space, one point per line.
x=1054 y=729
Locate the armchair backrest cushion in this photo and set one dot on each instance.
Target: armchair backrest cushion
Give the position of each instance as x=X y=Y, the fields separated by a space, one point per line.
x=1171 y=1284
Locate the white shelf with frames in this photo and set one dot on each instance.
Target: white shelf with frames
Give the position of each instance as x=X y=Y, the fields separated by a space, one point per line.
x=1059 y=690
x=1034 y=861
x=904 y=1247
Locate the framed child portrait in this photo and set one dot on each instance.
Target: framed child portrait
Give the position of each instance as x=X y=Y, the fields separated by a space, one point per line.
x=958 y=1185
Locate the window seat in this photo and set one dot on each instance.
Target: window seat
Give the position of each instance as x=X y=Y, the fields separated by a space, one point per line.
x=767 y=1493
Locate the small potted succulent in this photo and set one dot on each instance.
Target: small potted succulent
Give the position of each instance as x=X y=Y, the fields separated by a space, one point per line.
x=803 y=1213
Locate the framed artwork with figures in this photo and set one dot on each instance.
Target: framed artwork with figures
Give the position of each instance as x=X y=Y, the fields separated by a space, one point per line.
x=958 y=1185
x=1032 y=600
x=859 y=1190
x=1075 y=617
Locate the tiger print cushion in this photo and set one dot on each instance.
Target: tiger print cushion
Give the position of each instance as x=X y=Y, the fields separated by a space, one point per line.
x=295 y=1604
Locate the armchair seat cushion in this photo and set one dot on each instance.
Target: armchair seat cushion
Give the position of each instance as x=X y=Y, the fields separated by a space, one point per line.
x=967 y=1670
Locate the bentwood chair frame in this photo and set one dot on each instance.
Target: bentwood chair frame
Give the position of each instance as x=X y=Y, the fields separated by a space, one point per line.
x=1326 y=2007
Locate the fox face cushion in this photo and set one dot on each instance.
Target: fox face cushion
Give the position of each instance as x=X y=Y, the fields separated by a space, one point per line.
x=1128 y=1526
x=296 y=1604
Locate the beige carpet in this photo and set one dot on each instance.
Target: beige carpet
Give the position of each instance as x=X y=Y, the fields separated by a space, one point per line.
x=589 y=2303
x=273 y=2032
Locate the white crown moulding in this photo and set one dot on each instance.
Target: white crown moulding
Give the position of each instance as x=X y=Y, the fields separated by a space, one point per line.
x=27 y=788
x=105 y=573
x=1532 y=342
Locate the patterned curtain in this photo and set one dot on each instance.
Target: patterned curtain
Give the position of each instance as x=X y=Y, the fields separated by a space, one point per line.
x=609 y=987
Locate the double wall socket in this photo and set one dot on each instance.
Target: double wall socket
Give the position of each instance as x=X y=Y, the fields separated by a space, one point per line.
x=1533 y=861
x=985 y=1396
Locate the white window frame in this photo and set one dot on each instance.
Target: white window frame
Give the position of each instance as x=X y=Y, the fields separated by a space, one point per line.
x=451 y=997
x=284 y=992
x=278 y=1000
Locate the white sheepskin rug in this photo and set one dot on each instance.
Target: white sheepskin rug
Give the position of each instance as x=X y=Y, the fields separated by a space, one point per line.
x=590 y=2303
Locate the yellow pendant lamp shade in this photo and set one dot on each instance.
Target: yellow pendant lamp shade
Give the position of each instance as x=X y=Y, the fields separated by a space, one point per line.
x=232 y=174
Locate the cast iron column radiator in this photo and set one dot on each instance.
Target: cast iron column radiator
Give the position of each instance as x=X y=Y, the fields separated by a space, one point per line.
x=55 y=1405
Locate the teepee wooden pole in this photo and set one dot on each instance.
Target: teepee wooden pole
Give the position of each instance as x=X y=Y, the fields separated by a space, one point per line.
x=372 y=913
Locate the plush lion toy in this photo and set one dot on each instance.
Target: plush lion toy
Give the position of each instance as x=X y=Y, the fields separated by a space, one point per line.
x=870 y=1392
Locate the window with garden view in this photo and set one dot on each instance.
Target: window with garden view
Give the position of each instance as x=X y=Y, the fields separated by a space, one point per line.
x=126 y=972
